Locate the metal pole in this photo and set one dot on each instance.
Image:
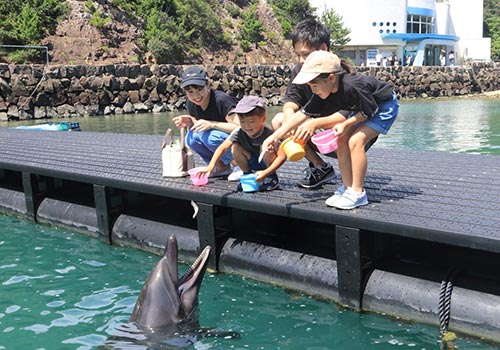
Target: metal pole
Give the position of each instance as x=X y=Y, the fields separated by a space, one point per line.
x=31 y=47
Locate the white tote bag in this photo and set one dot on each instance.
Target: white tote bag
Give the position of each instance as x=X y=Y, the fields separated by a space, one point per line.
x=176 y=157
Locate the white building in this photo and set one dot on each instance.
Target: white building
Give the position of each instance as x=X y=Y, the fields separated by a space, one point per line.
x=423 y=32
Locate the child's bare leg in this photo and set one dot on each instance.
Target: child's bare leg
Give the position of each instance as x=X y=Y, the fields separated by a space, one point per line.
x=241 y=156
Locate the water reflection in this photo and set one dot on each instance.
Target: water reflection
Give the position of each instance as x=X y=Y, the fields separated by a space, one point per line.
x=452 y=125
x=462 y=125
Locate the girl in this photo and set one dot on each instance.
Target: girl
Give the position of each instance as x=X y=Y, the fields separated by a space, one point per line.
x=368 y=108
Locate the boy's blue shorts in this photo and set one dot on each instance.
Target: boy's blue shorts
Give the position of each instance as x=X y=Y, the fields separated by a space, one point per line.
x=254 y=164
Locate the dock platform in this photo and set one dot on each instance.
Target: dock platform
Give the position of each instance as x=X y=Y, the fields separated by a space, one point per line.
x=433 y=218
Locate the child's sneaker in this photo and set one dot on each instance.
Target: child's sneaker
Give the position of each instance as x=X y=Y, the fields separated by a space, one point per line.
x=336 y=195
x=351 y=199
x=219 y=172
x=235 y=175
x=270 y=183
x=315 y=176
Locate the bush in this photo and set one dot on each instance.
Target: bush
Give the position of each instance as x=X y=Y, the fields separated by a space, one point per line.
x=245 y=45
x=252 y=28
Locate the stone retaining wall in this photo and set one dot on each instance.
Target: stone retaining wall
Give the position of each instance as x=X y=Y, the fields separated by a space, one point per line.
x=35 y=91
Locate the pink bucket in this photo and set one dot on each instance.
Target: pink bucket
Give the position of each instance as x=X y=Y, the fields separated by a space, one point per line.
x=326 y=141
x=198 y=179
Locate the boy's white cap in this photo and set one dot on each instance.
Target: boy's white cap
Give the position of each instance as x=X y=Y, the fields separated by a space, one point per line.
x=316 y=63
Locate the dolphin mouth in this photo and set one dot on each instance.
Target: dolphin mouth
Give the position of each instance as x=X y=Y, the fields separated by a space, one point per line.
x=195 y=272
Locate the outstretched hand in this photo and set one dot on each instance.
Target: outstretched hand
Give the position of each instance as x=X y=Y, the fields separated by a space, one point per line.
x=269 y=144
x=183 y=121
x=201 y=125
x=203 y=171
x=305 y=131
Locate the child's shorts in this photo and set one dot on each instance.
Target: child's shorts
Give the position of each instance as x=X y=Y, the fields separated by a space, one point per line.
x=254 y=163
x=385 y=117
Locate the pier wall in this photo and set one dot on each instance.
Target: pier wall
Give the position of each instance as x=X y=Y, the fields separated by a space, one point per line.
x=37 y=91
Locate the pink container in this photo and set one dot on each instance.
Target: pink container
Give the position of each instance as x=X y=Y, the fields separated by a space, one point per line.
x=326 y=141
x=198 y=179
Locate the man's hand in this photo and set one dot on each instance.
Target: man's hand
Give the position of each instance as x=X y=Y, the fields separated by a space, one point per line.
x=306 y=130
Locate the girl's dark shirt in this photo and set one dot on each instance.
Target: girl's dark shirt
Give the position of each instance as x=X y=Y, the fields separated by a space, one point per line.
x=251 y=144
x=357 y=93
x=219 y=106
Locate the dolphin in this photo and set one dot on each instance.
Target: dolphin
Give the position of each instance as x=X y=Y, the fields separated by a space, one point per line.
x=165 y=315
x=167 y=299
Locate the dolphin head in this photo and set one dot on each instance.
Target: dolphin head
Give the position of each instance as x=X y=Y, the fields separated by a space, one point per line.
x=167 y=299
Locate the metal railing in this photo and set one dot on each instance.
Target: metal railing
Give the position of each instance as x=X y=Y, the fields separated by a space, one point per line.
x=30 y=47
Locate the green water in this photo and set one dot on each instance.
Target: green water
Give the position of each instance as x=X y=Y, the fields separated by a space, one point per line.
x=452 y=125
x=62 y=290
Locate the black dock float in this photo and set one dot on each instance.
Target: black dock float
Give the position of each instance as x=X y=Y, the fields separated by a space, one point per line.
x=430 y=213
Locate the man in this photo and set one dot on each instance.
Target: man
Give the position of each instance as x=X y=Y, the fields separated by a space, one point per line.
x=308 y=36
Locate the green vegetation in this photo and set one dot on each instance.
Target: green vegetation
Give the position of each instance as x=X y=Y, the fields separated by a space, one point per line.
x=26 y=22
x=339 y=35
x=492 y=26
x=252 y=28
x=97 y=19
x=291 y=12
x=175 y=28
x=179 y=31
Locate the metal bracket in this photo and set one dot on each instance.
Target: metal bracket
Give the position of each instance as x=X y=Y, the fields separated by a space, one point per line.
x=103 y=212
x=349 y=266
x=206 y=232
x=32 y=193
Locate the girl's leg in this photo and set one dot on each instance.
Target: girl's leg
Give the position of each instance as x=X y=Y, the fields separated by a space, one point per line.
x=344 y=156
x=361 y=136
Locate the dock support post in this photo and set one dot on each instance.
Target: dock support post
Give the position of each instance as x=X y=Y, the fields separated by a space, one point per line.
x=349 y=267
x=103 y=212
x=206 y=232
x=32 y=194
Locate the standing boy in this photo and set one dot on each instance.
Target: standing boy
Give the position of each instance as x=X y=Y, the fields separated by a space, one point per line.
x=246 y=141
x=207 y=118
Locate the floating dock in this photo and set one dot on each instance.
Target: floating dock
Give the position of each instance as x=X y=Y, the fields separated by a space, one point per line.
x=426 y=248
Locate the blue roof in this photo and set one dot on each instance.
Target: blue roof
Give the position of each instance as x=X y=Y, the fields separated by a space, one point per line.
x=421 y=11
x=418 y=37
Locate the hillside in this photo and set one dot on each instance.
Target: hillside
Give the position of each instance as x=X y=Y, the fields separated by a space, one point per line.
x=77 y=42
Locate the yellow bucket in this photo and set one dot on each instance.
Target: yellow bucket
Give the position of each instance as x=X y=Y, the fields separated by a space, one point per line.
x=294 y=150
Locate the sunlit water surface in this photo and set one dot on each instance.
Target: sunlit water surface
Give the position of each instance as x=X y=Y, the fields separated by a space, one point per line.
x=452 y=125
x=63 y=290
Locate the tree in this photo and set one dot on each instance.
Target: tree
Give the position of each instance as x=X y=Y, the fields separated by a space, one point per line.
x=339 y=35
x=252 y=27
x=492 y=26
x=291 y=12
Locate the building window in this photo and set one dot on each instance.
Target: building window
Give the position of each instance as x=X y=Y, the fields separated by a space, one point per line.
x=417 y=24
x=349 y=54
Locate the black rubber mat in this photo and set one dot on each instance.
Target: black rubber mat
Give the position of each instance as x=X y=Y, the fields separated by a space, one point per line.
x=436 y=196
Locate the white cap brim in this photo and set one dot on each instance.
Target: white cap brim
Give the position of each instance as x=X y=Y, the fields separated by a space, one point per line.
x=303 y=77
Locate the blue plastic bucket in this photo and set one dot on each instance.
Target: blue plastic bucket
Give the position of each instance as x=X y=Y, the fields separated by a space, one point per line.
x=248 y=183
